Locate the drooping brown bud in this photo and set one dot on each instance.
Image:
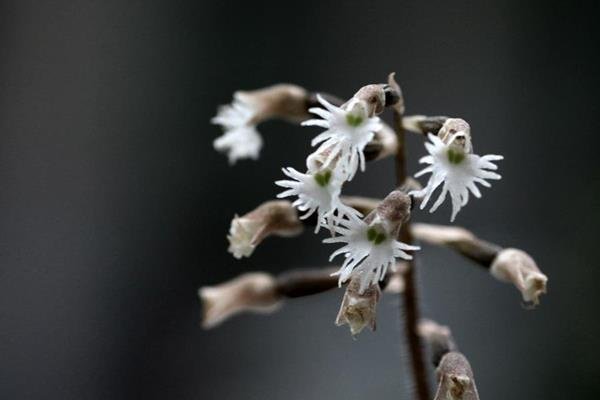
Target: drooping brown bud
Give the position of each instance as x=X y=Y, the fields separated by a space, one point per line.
x=255 y=292
x=284 y=100
x=359 y=310
x=424 y=124
x=517 y=267
x=277 y=217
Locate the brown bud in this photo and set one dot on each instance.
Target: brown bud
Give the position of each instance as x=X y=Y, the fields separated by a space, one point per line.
x=359 y=310
x=285 y=101
x=517 y=267
x=277 y=217
x=455 y=379
x=248 y=292
x=393 y=210
x=424 y=124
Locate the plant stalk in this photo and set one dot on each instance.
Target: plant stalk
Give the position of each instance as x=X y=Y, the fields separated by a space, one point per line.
x=410 y=293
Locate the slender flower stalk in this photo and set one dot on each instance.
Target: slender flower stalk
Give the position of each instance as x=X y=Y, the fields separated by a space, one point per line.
x=410 y=297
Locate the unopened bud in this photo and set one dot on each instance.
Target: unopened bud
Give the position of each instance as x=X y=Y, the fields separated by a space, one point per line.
x=276 y=217
x=517 y=267
x=285 y=101
x=255 y=292
x=455 y=379
x=393 y=210
x=359 y=310
x=424 y=124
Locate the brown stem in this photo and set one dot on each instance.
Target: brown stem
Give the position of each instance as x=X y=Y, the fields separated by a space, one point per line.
x=264 y=293
x=460 y=240
x=410 y=293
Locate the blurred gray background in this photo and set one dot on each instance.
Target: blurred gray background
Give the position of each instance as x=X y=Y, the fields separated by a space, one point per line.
x=114 y=206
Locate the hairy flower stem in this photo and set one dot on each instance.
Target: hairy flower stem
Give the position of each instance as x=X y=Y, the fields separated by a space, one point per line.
x=410 y=295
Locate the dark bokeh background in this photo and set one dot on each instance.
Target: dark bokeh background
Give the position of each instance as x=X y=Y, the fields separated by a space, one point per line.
x=114 y=206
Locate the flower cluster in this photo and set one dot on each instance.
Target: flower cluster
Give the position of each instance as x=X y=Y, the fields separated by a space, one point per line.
x=348 y=129
x=370 y=244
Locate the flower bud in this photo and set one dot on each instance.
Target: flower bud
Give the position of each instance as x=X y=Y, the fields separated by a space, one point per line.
x=276 y=217
x=359 y=310
x=392 y=211
x=517 y=267
x=455 y=379
x=249 y=292
x=285 y=101
x=424 y=124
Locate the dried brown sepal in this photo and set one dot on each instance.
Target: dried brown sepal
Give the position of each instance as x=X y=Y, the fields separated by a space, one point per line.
x=399 y=104
x=517 y=267
x=359 y=310
x=254 y=292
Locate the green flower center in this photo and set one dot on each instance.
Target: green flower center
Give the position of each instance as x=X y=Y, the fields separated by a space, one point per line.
x=354 y=120
x=455 y=156
x=323 y=178
x=374 y=236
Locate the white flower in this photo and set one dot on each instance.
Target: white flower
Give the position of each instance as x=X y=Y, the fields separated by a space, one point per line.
x=241 y=139
x=457 y=168
x=369 y=250
x=241 y=236
x=318 y=191
x=348 y=132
